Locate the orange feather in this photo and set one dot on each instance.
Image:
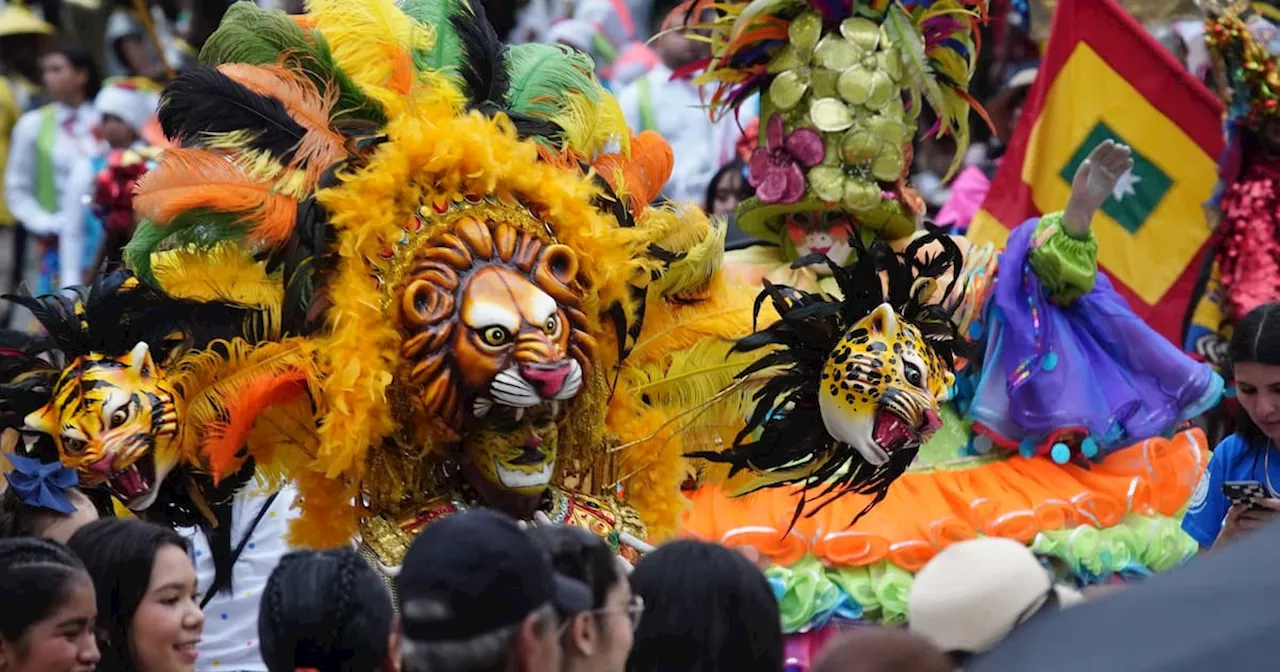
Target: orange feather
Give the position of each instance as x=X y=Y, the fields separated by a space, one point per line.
x=224 y=439
x=187 y=179
x=321 y=146
x=775 y=29
x=650 y=167
x=644 y=174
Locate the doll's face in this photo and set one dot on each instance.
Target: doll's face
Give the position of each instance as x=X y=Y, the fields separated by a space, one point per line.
x=827 y=234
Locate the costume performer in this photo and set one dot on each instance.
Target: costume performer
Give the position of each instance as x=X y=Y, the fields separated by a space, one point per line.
x=458 y=238
x=1244 y=270
x=1054 y=429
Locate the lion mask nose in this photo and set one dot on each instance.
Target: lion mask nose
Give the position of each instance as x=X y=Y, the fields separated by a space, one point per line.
x=547 y=379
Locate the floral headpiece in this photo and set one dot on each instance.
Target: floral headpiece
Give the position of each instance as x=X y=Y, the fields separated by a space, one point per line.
x=843 y=86
x=1243 y=45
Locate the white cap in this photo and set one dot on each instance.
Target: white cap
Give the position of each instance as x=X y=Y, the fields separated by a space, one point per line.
x=131 y=105
x=974 y=593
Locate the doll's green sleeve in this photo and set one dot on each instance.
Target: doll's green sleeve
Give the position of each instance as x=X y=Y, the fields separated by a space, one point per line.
x=1066 y=265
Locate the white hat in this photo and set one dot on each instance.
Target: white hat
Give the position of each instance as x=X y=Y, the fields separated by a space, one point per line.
x=130 y=104
x=974 y=593
x=573 y=32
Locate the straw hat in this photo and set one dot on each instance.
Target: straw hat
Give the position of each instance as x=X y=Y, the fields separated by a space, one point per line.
x=15 y=19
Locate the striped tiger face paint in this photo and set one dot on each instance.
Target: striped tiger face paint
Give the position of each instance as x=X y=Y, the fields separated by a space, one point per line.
x=115 y=421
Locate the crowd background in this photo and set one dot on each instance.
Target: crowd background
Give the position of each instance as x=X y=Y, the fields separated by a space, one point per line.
x=78 y=105
x=81 y=80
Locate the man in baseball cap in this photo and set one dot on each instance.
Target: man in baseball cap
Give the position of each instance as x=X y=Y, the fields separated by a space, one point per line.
x=477 y=595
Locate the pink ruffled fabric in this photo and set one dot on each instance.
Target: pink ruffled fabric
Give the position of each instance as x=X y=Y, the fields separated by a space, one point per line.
x=1249 y=240
x=803 y=648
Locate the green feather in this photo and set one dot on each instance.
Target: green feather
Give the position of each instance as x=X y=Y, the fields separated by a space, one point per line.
x=257 y=36
x=201 y=228
x=446 y=53
x=542 y=75
x=902 y=31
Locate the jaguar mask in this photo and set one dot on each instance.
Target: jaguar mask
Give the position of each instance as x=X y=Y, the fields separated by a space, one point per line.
x=491 y=318
x=881 y=387
x=852 y=385
x=115 y=421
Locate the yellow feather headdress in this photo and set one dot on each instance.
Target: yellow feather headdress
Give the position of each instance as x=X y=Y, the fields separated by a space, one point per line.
x=318 y=153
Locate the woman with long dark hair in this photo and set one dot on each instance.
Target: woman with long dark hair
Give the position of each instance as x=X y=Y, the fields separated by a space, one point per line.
x=1246 y=462
x=707 y=608
x=146 y=590
x=327 y=610
x=47 y=624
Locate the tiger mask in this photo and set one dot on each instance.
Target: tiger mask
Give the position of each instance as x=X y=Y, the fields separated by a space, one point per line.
x=115 y=421
x=491 y=317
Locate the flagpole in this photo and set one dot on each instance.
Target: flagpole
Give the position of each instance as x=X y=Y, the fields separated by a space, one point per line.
x=144 y=14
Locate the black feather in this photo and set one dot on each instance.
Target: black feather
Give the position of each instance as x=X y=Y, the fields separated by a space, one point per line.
x=115 y=314
x=484 y=69
x=785 y=430
x=204 y=100
x=484 y=74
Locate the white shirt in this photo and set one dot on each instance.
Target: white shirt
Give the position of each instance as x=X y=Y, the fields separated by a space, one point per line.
x=701 y=146
x=69 y=149
x=230 y=640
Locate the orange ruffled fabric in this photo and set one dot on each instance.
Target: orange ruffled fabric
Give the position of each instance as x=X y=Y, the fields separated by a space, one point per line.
x=924 y=512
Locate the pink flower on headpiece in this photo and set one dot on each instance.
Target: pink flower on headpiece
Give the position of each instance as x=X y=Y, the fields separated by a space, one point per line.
x=774 y=170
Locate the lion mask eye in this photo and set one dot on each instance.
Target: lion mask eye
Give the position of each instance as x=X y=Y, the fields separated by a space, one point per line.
x=495 y=336
x=552 y=327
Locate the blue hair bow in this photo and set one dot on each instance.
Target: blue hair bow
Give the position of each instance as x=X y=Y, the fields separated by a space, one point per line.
x=42 y=484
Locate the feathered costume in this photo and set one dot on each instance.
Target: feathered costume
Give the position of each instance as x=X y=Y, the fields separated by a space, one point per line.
x=453 y=243
x=468 y=298
x=1244 y=270
x=123 y=392
x=1055 y=428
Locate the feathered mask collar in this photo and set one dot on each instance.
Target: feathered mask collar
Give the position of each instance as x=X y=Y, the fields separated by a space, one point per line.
x=786 y=441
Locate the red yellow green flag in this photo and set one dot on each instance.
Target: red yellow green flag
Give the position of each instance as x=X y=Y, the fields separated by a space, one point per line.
x=1103 y=77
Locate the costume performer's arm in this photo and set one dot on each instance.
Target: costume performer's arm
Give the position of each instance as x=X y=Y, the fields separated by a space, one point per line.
x=1063 y=250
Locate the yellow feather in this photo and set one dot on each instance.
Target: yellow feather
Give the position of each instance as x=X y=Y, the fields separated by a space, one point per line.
x=699 y=239
x=368 y=39
x=206 y=379
x=224 y=273
x=594 y=128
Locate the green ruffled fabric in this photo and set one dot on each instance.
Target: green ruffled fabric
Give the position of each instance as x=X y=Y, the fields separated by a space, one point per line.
x=1066 y=265
x=810 y=594
x=1155 y=544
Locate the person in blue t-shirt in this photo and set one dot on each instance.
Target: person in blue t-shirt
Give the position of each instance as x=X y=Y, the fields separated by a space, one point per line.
x=1250 y=454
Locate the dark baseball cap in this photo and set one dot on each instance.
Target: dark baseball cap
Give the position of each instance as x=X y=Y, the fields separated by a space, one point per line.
x=486 y=573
